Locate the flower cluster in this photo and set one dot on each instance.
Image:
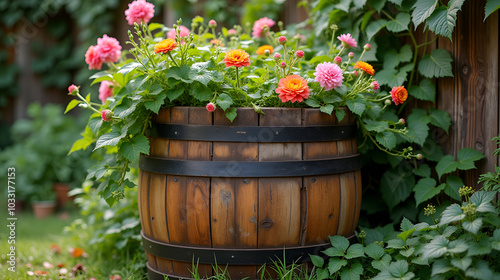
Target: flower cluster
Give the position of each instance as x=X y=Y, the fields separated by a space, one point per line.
x=198 y=66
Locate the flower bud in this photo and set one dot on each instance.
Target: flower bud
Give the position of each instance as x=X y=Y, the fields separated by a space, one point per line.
x=231 y=32
x=267 y=52
x=338 y=60
x=106 y=115
x=351 y=55
x=280 y=24
x=374 y=85
x=210 y=107
x=367 y=47
x=420 y=156
x=388 y=102
x=277 y=56
x=355 y=73
x=283 y=65
x=299 y=53
x=212 y=23
x=334 y=27
x=401 y=121
x=282 y=40
x=72 y=90
x=192 y=46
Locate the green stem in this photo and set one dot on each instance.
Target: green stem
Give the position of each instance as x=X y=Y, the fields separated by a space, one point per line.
x=331 y=44
x=237 y=78
x=88 y=104
x=171 y=57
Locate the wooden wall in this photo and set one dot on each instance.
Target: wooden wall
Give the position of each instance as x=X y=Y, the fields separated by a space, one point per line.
x=472 y=96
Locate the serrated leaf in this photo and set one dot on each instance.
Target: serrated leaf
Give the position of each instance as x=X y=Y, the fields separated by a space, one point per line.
x=443 y=19
x=483 y=200
x=417 y=131
x=327 y=109
x=399 y=268
x=436 y=248
x=173 y=94
x=406 y=225
x=423 y=171
x=317 y=260
x=355 y=251
x=400 y=23
x=390 y=77
x=224 y=101
x=339 y=114
x=377 y=126
x=440 y=118
x=203 y=77
x=378 y=4
x=155 y=105
x=366 y=18
x=335 y=264
x=407 y=253
x=374 y=27
x=462 y=264
x=425 y=91
x=374 y=251
x=200 y=91
x=453 y=184
x=441 y=267
x=490 y=7
x=231 y=114
x=179 y=73
x=387 y=139
x=480 y=248
x=334 y=252
x=72 y=104
x=436 y=65
x=405 y=234
x=343 y=5
x=467 y=157
x=359 y=3
x=396 y=244
x=133 y=148
x=109 y=139
x=495 y=240
x=312 y=102
x=473 y=226
x=452 y=213
x=446 y=165
x=396 y=186
x=426 y=189
x=422 y=10
x=356 y=106
x=352 y=272
x=382 y=264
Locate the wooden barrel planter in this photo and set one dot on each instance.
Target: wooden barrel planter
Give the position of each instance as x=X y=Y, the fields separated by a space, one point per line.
x=240 y=194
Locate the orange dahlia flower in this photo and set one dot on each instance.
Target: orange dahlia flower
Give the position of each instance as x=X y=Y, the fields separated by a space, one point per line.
x=237 y=58
x=216 y=42
x=165 y=46
x=399 y=95
x=262 y=49
x=293 y=88
x=365 y=67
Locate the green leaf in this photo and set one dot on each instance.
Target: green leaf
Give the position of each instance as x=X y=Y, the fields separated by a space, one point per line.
x=312 y=102
x=436 y=248
x=425 y=91
x=378 y=4
x=453 y=184
x=441 y=267
x=481 y=270
x=201 y=92
x=479 y=248
x=467 y=157
x=133 y=148
x=458 y=246
x=422 y=10
x=436 y=65
x=231 y=114
x=396 y=186
x=339 y=242
x=203 y=77
x=82 y=144
x=495 y=240
x=396 y=244
x=359 y=3
x=405 y=234
x=340 y=114
x=490 y=7
x=386 y=139
x=473 y=226
x=334 y=252
x=407 y=253
x=452 y=213
x=443 y=19
x=355 y=251
x=374 y=27
x=317 y=260
x=417 y=131
x=374 y=251
x=335 y=264
x=390 y=77
x=426 y=189
x=179 y=73
x=483 y=200
x=446 y=165
x=155 y=105
x=406 y=225
x=399 y=268
x=109 y=139
x=327 y=109
x=224 y=101
x=377 y=126
x=440 y=118
x=462 y=264
x=72 y=104
x=366 y=18
x=343 y=5
x=353 y=272
x=173 y=94
x=423 y=171
x=356 y=106
x=400 y=23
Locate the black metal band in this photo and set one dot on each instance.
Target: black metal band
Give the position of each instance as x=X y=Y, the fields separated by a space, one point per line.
x=229 y=256
x=253 y=133
x=250 y=168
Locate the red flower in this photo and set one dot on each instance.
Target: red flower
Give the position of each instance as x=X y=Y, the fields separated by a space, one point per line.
x=399 y=95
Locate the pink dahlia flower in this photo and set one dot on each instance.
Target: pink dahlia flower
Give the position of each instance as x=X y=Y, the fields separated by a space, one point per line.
x=139 y=11
x=329 y=75
x=258 y=26
x=375 y=85
x=105 y=90
x=231 y=32
x=93 y=59
x=184 y=33
x=108 y=48
x=347 y=40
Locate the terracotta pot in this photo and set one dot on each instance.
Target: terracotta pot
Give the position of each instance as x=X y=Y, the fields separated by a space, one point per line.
x=43 y=209
x=61 y=190
x=242 y=193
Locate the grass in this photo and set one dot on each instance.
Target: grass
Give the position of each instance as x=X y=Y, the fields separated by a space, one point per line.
x=33 y=241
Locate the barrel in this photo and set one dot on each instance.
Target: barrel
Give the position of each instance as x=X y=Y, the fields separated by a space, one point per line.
x=244 y=193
